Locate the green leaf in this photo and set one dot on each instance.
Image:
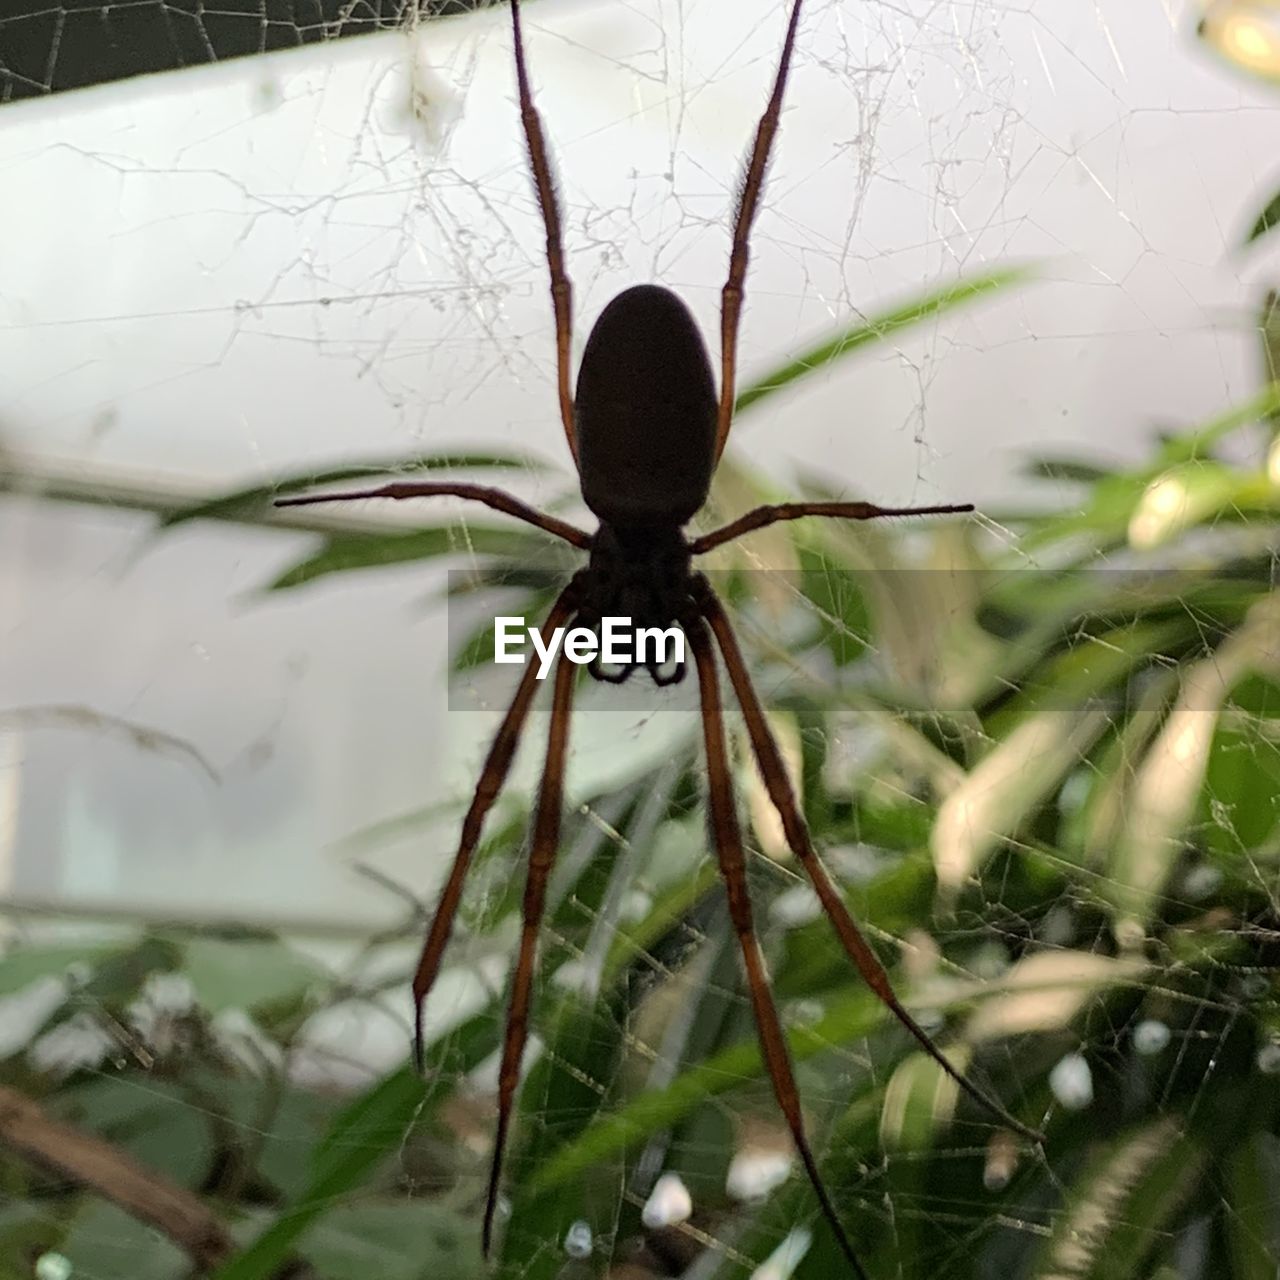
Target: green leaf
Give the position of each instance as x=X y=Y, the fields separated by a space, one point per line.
x=1252 y=1217
x=118 y=975
x=561 y=1097
x=1239 y=810
x=851 y=1142
x=871 y=329
x=1068 y=470
x=1263 y=223
x=20 y=966
x=673 y=904
x=242 y=972
x=1121 y=1208
x=275 y=1126
x=850 y=1018
x=1106 y=513
x=998 y=796
x=364 y=1135
x=254 y=503
x=343 y=553
x=1187 y=495
x=1167 y=784
x=152 y=1119
x=393 y=1240
x=920 y=1101
x=28 y=1228
x=106 y=1243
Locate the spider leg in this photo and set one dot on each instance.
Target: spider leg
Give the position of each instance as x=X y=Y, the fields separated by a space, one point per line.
x=496 y=767
x=546 y=835
x=762 y=517
x=491 y=497
x=748 y=199
x=544 y=184
x=780 y=792
x=728 y=839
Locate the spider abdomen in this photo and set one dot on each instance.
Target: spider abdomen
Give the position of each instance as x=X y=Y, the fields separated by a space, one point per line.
x=645 y=412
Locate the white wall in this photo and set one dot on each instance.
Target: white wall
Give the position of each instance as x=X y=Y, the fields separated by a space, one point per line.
x=239 y=271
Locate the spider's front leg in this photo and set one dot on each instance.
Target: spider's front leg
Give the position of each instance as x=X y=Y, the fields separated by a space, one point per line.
x=497 y=499
x=729 y=850
x=781 y=793
x=496 y=767
x=546 y=837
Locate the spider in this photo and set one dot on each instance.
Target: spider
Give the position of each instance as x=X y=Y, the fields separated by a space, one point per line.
x=646 y=430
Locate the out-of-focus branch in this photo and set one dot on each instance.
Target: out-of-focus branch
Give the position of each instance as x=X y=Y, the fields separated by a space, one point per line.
x=98 y=1166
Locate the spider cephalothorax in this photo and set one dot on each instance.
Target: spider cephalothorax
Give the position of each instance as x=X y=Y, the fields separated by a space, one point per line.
x=641 y=575
x=646 y=432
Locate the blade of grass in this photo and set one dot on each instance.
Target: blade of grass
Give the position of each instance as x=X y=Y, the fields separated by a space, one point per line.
x=364 y=1135
x=253 y=503
x=849 y=1019
x=880 y=325
x=348 y=552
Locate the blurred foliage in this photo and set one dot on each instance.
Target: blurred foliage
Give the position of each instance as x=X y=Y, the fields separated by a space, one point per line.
x=1041 y=754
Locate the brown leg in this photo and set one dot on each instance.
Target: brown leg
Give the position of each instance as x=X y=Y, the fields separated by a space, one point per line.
x=546 y=836
x=561 y=289
x=762 y=517
x=728 y=840
x=494 y=498
x=496 y=766
x=779 y=787
x=752 y=184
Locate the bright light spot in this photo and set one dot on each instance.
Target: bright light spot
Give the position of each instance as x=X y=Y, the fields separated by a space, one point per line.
x=236 y=1033
x=636 y=904
x=1273 y=462
x=1157 y=511
x=1269 y=1059
x=573 y=975
x=164 y=998
x=1201 y=881
x=1150 y=1037
x=754 y=1173
x=1001 y=1162
x=1248 y=40
x=1244 y=32
x=78 y=1042
x=577 y=1240
x=795 y=906
x=52 y=1266
x=1186 y=742
x=669 y=1202
x=803 y=1013
x=782 y=1262
x=1130 y=935
x=1253 y=986
x=1072 y=1082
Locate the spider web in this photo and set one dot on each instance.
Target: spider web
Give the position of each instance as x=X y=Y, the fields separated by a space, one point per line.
x=253 y=268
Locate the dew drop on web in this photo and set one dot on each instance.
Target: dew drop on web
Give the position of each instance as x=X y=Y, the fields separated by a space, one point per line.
x=52 y=1266
x=1150 y=1036
x=669 y=1203
x=1269 y=1059
x=1072 y=1082
x=577 y=1240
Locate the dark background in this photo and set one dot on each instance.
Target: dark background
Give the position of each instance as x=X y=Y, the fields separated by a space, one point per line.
x=48 y=48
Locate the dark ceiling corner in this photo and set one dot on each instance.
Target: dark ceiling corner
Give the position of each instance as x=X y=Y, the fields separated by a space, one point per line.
x=70 y=44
